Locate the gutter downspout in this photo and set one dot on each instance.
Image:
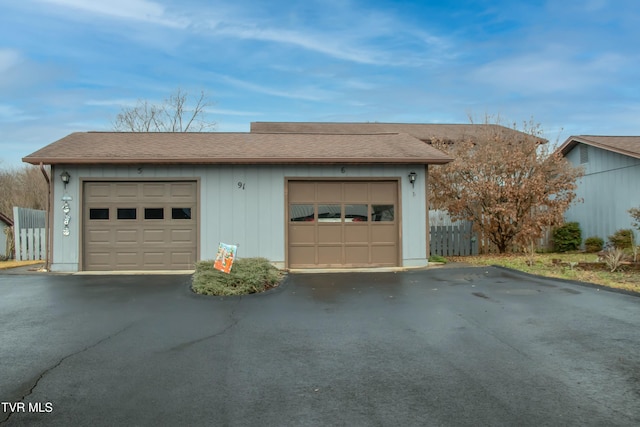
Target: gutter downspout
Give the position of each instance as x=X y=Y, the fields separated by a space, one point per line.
x=426 y=201
x=49 y=215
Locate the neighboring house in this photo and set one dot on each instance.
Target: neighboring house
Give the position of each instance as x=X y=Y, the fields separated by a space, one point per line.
x=162 y=201
x=6 y=225
x=611 y=182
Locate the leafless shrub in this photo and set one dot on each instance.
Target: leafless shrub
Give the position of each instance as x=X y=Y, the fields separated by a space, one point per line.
x=613 y=257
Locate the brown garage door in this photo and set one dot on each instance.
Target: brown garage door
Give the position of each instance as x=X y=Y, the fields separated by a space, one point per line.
x=139 y=225
x=342 y=224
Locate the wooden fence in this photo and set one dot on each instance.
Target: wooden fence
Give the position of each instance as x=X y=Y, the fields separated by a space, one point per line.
x=453 y=240
x=29 y=229
x=457 y=238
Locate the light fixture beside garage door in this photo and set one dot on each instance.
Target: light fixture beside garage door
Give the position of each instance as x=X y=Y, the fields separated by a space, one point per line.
x=65 y=177
x=412 y=178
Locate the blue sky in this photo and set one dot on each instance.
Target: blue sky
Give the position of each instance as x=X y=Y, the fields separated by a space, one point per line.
x=72 y=65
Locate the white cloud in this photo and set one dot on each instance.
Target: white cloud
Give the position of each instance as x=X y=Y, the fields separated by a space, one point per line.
x=307 y=93
x=9 y=113
x=110 y=102
x=138 y=10
x=321 y=43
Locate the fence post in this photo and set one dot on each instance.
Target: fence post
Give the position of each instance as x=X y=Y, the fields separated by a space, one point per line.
x=16 y=233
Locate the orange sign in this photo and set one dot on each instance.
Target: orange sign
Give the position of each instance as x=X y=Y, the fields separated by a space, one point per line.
x=224 y=257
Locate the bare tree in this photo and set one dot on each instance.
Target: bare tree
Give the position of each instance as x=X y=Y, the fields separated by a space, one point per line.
x=23 y=187
x=174 y=114
x=508 y=183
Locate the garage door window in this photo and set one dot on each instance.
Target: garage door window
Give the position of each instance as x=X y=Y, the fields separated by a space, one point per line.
x=382 y=213
x=99 y=213
x=301 y=213
x=180 y=213
x=329 y=213
x=153 y=213
x=356 y=213
x=126 y=213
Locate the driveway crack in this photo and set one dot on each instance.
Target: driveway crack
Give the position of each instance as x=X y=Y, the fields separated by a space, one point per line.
x=60 y=362
x=233 y=322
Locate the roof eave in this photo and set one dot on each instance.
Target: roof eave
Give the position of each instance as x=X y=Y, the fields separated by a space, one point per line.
x=572 y=141
x=214 y=161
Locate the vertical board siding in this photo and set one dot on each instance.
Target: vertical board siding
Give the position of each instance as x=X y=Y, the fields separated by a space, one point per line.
x=253 y=216
x=609 y=188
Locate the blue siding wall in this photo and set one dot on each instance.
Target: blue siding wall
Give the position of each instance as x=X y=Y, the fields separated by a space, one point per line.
x=243 y=204
x=609 y=188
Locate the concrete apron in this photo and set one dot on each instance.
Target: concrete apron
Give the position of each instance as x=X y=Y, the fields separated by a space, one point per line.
x=362 y=270
x=132 y=272
x=291 y=270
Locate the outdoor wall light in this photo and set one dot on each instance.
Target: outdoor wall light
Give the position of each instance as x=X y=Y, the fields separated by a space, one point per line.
x=64 y=176
x=412 y=178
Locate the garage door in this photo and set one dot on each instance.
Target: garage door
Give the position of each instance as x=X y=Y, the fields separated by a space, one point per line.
x=139 y=225
x=342 y=224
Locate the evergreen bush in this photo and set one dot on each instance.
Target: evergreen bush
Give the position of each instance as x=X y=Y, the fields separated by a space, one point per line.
x=593 y=244
x=567 y=237
x=622 y=239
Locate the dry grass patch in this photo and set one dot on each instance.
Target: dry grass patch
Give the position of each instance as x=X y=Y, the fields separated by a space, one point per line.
x=13 y=263
x=565 y=266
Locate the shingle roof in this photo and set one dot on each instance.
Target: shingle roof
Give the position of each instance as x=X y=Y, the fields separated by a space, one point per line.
x=246 y=148
x=424 y=131
x=626 y=145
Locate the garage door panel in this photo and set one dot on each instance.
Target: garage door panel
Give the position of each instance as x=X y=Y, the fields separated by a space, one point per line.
x=126 y=191
x=302 y=255
x=330 y=255
x=384 y=233
x=126 y=259
x=329 y=233
x=157 y=236
x=97 y=237
x=356 y=192
x=183 y=236
x=302 y=191
x=302 y=234
x=99 y=191
x=384 y=255
x=356 y=233
x=182 y=260
x=154 y=191
x=329 y=192
x=162 y=235
x=357 y=255
x=126 y=236
x=355 y=223
x=154 y=259
x=182 y=191
x=382 y=192
x=100 y=258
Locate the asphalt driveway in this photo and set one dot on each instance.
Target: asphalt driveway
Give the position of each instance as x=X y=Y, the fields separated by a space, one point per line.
x=447 y=346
